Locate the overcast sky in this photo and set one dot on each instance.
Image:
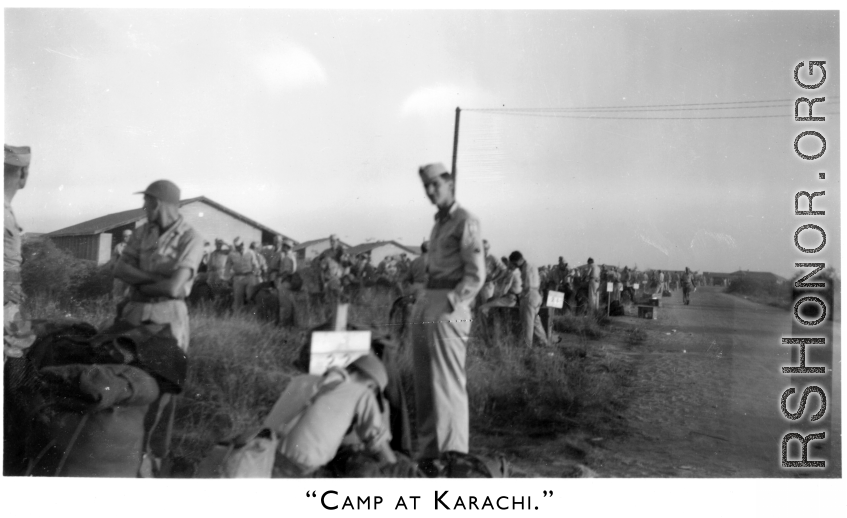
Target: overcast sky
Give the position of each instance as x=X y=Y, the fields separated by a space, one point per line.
x=315 y=122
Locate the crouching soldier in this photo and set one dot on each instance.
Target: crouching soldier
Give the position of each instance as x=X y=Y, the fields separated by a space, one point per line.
x=349 y=399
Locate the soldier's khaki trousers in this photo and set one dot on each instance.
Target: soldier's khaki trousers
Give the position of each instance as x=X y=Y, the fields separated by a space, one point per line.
x=530 y=321
x=242 y=287
x=163 y=411
x=439 y=340
x=286 y=303
x=594 y=295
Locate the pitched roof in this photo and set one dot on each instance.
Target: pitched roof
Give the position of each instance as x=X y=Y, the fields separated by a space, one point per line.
x=305 y=244
x=119 y=219
x=759 y=275
x=367 y=247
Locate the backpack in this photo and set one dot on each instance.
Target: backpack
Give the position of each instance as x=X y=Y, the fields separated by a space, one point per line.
x=94 y=393
x=616 y=309
x=252 y=454
x=248 y=455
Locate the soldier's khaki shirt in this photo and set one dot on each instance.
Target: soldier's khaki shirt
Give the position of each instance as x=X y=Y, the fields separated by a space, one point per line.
x=455 y=253
x=242 y=263
x=529 y=278
x=163 y=254
x=217 y=264
x=283 y=262
x=417 y=270
x=513 y=284
x=11 y=240
x=12 y=258
x=342 y=404
x=494 y=269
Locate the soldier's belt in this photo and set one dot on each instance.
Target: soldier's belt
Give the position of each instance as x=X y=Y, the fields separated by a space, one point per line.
x=442 y=284
x=241 y=274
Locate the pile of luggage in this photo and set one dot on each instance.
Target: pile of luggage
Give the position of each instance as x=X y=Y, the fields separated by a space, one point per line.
x=78 y=404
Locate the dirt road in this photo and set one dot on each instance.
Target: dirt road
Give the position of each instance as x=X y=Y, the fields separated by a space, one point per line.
x=706 y=399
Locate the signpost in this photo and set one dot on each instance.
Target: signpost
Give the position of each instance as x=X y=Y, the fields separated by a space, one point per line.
x=555 y=299
x=610 y=286
x=339 y=347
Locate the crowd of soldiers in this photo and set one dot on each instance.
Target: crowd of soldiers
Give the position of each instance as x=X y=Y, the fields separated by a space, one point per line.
x=156 y=266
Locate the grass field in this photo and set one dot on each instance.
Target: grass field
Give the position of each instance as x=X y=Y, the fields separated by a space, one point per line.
x=239 y=365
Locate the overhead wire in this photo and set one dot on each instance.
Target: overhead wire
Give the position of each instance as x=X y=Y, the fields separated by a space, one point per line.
x=600 y=112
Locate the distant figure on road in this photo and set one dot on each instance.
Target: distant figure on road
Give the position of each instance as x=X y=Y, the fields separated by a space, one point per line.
x=593 y=286
x=442 y=322
x=687 y=286
x=119 y=287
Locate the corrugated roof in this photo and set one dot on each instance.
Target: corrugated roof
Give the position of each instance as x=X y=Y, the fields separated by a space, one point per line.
x=119 y=219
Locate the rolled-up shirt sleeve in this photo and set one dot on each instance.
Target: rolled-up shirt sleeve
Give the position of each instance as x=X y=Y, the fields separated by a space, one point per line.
x=190 y=252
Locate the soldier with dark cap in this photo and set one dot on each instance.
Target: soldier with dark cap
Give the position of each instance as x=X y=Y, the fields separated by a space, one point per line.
x=17 y=334
x=160 y=263
x=442 y=322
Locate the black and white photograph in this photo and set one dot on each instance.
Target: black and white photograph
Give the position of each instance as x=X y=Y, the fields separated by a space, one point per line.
x=335 y=244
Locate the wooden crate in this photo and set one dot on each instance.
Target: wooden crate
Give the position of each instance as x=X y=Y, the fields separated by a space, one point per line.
x=648 y=312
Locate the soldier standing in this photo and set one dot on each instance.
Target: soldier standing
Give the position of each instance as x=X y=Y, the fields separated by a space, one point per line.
x=282 y=267
x=593 y=286
x=331 y=263
x=242 y=265
x=119 y=287
x=217 y=264
x=263 y=263
x=17 y=332
x=160 y=263
x=495 y=271
x=456 y=268
x=17 y=335
x=530 y=301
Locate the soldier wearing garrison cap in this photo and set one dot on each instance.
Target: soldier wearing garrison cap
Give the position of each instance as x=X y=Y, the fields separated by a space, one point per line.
x=456 y=273
x=243 y=267
x=17 y=334
x=160 y=263
x=17 y=331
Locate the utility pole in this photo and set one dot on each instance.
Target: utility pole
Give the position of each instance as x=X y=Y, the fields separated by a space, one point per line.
x=455 y=146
